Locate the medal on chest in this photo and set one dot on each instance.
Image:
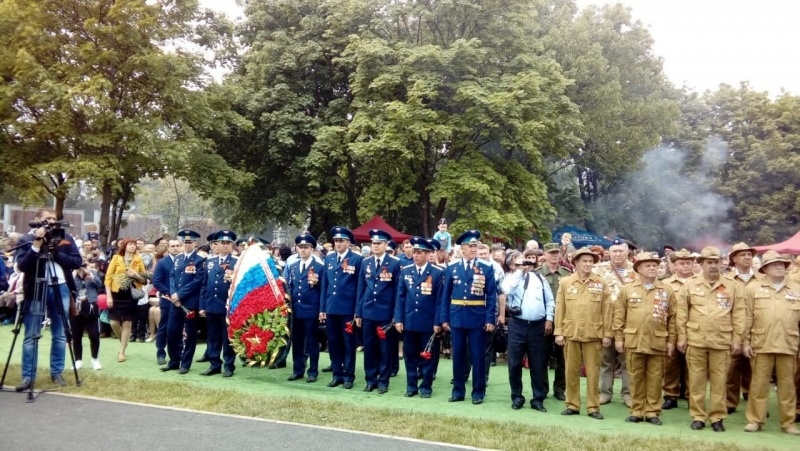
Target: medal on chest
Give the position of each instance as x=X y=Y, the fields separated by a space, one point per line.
x=191 y=269
x=313 y=277
x=385 y=275
x=346 y=268
x=426 y=287
x=594 y=287
x=723 y=299
x=792 y=296
x=478 y=281
x=660 y=306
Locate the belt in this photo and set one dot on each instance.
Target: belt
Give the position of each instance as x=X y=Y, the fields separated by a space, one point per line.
x=468 y=303
x=527 y=321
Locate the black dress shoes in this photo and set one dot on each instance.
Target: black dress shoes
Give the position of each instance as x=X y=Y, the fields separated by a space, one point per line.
x=58 y=380
x=477 y=401
x=203 y=359
x=717 y=426
x=731 y=410
x=369 y=388
x=335 y=382
x=382 y=390
x=669 y=403
x=654 y=421
x=328 y=369
x=596 y=415
x=570 y=412
x=538 y=406
x=425 y=395
x=210 y=372
x=183 y=370
x=560 y=396
x=393 y=374
x=227 y=373
x=455 y=399
x=348 y=385
x=697 y=425
x=516 y=405
x=294 y=377
x=633 y=419
x=168 y=368
x=311 y=379
x=24 y=385
x=162 y=361
x=410 y=394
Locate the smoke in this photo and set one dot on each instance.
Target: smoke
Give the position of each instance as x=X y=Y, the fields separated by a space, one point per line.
x=670 y=200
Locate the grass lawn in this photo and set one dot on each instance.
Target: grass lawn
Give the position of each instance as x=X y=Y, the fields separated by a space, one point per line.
x=266 y=393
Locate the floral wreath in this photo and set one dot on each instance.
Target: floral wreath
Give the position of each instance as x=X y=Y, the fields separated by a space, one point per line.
x=260 y=318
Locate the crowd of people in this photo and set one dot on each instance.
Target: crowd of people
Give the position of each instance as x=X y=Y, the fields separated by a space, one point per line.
x=671 y=325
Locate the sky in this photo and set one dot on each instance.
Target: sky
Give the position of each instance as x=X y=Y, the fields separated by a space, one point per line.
x=707 y=42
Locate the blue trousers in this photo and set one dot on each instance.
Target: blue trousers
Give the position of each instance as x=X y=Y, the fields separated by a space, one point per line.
x=416 y=366
x=342 y=348
x=305 y=343
x=219 y=344
x=475 y=341
x=377 y=353
x=33 y=328
x=181 y=338
x=161 y=332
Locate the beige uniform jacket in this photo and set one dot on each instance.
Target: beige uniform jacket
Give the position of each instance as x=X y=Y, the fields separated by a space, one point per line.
x=583 y=308
x=675 y=283
x=645 y=319
x=711 y=316
x=773 y=318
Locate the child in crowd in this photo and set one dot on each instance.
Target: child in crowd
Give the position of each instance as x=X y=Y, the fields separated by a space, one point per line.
x=443 y=236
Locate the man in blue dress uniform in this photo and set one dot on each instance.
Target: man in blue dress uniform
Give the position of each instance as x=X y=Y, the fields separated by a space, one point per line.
x=416 y=315
x=392 y=334
x=214 y=303
x=303 y=284
x=375 y=308
x=162 y=276
x=339 y=294
x=468 y=311
x=186 y=282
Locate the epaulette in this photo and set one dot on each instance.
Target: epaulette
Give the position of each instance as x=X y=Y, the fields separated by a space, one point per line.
x=407 y=266
x=460 y=260
x=394 y=258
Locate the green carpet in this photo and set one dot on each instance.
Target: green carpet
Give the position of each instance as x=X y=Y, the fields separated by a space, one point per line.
x=141 y=364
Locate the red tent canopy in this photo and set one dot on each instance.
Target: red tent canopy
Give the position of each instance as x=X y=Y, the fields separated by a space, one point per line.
x=790 y=246
x=361 y=233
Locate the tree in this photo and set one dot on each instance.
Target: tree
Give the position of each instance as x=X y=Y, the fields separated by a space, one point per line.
x=98 y=90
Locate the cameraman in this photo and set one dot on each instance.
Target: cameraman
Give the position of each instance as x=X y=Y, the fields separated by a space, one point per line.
x=531 y=308
x=65 y=259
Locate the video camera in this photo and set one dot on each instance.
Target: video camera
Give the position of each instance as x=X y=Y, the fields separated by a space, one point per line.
x=55 y=230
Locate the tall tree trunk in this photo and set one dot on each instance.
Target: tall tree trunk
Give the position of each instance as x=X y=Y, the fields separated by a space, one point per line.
x=105 y=207
x=425 y=198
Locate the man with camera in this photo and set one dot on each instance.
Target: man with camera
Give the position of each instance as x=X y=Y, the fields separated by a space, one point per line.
x=55 y=278
x=531 y=307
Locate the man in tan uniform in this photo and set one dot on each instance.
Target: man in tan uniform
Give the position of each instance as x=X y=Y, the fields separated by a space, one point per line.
x=616 y=272
x=675 y=365
x=583 y=325
x=644 y=320
x=711 y=320
x=739 y=373
x=772 y=340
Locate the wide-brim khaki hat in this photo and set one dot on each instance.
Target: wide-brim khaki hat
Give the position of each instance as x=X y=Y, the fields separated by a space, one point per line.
x=584 y=251
x=709 y=253
x=740 y=247
x=774 y=257
x=643 y=257
x=682 y=254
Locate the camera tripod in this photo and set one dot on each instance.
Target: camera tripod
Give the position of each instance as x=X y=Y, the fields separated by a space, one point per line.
x=35 y=310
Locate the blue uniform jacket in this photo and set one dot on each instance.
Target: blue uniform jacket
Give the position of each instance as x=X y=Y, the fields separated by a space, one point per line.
x=419 y=298
x=377 y=290
x=163 y=274
x=214 y=293
x=464 y=285
x=187 y=279
x=305 y=288
x=340 y=283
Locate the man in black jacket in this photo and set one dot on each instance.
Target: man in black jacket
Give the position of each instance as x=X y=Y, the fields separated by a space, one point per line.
x=55 y=277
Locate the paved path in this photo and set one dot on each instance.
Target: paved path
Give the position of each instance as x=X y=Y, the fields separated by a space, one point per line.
x=66 y=422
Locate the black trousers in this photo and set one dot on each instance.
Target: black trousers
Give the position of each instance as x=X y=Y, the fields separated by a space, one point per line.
x=488 y=354
x=556 y=352
x=527 y=337
x=89 y=324
x=139 y=327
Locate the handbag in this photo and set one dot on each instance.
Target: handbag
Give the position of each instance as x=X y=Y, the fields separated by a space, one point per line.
x=136 y=293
